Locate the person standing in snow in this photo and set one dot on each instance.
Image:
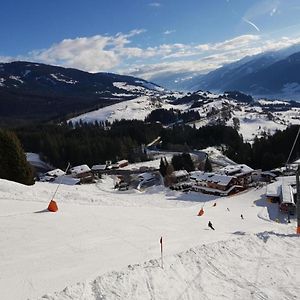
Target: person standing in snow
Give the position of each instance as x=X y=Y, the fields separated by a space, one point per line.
x=242 y=217
x=210 y=225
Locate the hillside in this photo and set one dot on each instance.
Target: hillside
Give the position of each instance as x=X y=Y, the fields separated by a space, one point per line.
x=254 y=117
x=39 y=92
x=104 y=244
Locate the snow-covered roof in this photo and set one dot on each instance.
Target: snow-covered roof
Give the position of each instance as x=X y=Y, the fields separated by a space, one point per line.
x=124 y=161
x=236 y=169
x=80 y=169
x=180 y=173
x=98 y=167
x=211 y=177
x=66 y=180
x=287 y=191
x=273 y=189
x=56 y=172
x=268 y=173
x=145 y=176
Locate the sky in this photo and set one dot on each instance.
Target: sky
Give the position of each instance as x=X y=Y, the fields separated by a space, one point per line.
x=145 y=38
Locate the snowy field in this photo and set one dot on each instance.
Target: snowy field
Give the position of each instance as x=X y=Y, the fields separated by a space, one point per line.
x=104 y=244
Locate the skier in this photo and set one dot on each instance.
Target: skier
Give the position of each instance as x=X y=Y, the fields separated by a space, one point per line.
x=228 y=209
x=210 y=225
x=242 y=217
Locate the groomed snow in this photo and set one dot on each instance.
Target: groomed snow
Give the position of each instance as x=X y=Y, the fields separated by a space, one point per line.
x=98 y=232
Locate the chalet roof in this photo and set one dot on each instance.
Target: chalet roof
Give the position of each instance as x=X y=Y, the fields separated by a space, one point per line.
x=80 y=169
x=180 y=173
x=211 y=177
x=98 y=167
x=56 y=172
x=236 y=170
x=123 y=161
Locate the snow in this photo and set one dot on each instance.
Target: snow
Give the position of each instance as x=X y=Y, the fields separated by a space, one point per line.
x=35 y=160
x=104 y=244
x=56 y=172
x=26 y=72
x=271 y=102
x=80 y=169
x=64 y=79
x=234 y=169
x=2 y=80
x=211 y=177
x=16 y=78
x=137 y=108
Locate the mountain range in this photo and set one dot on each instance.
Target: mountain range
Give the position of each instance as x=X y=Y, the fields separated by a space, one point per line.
x=39 y=92
x=273 y=74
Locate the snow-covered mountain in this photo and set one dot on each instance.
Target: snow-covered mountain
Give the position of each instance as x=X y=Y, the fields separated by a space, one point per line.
x=251 y=118
x=31 y=91
x=272 y=74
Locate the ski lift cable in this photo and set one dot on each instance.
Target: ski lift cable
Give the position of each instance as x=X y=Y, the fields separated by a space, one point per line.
x=61 y=178
x=292 y=149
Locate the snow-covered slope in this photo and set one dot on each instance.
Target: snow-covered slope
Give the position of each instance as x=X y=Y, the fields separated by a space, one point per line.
x=241 y=268
x=98 y=232
x=255 y=118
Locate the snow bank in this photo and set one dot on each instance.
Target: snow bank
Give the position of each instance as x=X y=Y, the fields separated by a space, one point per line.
x=247 y=267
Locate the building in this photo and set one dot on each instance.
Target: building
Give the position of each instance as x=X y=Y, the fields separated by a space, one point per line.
x=283 y=191
x=120 y=164
x=242 y=172
x=83 y=172
x=179 y=176
x=217 y=184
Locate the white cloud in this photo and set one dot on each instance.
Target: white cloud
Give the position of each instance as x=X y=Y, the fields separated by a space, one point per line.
x=118 y=53
x=167 y=32
x=96 y=53
x=155 y=4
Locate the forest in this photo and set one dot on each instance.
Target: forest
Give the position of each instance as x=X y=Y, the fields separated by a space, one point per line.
x=95 y=143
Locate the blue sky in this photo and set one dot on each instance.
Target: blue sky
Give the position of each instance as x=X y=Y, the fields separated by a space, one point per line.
x=145 y=38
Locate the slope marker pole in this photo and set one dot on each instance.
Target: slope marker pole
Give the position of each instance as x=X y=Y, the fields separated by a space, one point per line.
x=161 y=252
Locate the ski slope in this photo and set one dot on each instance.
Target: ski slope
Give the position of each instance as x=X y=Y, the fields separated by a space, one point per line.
x=104 y=244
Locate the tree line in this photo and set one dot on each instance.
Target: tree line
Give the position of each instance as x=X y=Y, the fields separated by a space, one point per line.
x=95 y=143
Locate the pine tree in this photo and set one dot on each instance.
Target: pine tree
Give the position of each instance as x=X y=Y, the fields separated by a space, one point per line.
x=207 y=167
x=13 y=164
x=163 y=167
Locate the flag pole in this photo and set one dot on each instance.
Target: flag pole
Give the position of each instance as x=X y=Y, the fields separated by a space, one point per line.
x=161 y=253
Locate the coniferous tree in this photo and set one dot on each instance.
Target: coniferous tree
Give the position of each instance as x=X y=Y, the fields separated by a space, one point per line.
x=207 y=167
x=13 y=164
x=163 y=167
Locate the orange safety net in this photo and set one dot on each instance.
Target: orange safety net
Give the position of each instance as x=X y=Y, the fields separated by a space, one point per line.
x=201 y=212
x=52 y=206
x=298 y=230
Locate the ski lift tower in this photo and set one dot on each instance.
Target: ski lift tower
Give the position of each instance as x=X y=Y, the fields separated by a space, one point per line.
x=298 y=199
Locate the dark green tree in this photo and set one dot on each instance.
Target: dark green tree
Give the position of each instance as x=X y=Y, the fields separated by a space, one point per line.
x=13 y=163
x=183 y=162
x=163 y=167
x=207 y=167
